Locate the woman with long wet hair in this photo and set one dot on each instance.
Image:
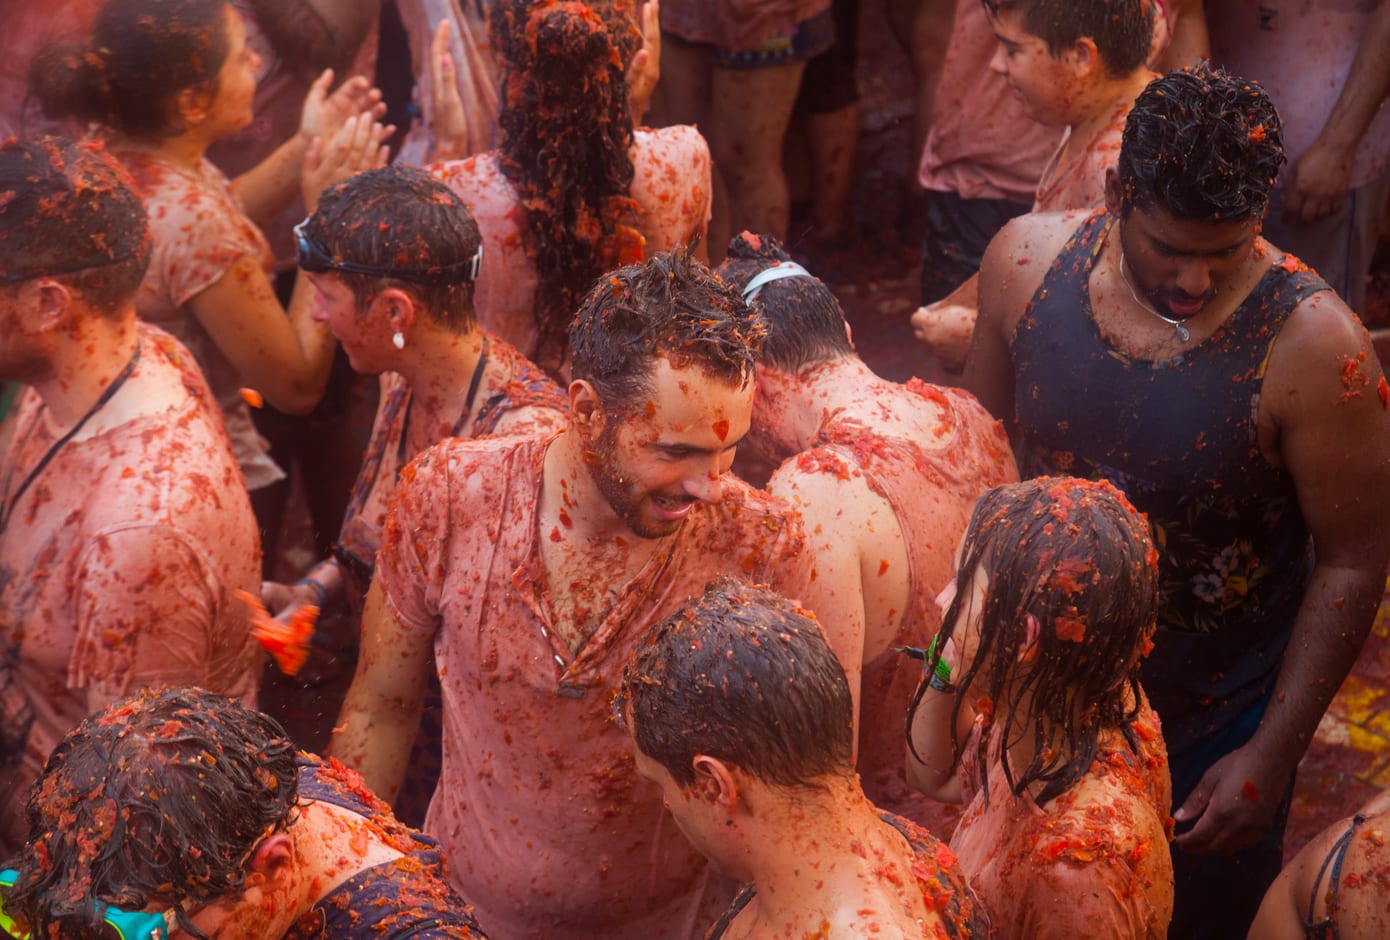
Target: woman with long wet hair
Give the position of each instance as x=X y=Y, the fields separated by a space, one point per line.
x=573 y=190
x=1030 y=712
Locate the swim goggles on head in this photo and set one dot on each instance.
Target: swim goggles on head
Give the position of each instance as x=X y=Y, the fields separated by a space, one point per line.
x=129 y=925
x=315 y=259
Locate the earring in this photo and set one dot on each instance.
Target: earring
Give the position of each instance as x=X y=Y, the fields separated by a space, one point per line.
x=398 y=340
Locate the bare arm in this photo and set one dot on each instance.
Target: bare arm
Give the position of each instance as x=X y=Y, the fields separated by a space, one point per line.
x=989 y=366
x=1317 y=184
x=1323 y=417
x=381 y=714
x=286 y=359
x=836 y=596
x=316 y=34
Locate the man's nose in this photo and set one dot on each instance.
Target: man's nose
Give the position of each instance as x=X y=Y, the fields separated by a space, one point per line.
x=1194 y=278
x=707 y=485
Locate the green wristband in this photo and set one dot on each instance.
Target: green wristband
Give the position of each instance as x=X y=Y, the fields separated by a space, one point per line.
x=940 y=680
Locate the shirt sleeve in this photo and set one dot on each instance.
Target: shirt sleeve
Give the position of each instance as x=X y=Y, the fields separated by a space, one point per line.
x=198 y=234
x=146 y=606
x=410 y=562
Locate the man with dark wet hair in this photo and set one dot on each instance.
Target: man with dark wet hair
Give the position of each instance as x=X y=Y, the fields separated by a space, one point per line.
x=885 y=476
x=125 y=530
x=1216 y=380
x=531 y=568
x=740 y=712
x=186 y=805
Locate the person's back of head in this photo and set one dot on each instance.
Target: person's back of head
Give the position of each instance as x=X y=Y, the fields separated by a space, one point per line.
x=156 y=801
x=68 y=211
x=1069 y=609
x=669 y=306
x=805 y=323
x=746 y=676
x=1122 y=30
x=566 y=133
x=1203 y=145
x=143 y=53
x=398 y=227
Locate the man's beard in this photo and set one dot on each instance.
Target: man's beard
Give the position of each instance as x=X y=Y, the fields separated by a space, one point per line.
x=621 y=495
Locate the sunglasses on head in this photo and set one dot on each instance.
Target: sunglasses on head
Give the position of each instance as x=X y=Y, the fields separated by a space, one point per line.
x=128 y=925
x=315 y=259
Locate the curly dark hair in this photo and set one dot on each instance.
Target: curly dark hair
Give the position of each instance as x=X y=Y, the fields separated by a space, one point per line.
x=1121 y=29
x=566 y=136
x=1203 y=145
x=142 y=54
x=400 y=216
x=1074 y=558
x=805 y=323
x=669 y=305
x=157 y=800
x=70 y=211
x=744 y=675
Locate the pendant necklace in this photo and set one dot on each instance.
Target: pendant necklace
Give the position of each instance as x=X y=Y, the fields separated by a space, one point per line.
x=1177 y=325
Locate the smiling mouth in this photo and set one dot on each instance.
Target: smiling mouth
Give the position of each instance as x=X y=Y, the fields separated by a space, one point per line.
x=673 y=507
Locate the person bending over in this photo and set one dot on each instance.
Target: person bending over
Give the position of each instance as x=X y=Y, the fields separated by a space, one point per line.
x=1033 y=716
x=741 y=714
x=189 y=807
x=885 y=476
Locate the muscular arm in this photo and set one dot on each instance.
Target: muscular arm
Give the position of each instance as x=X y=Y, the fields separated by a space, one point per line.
x=381 y=714
x=1323 y=417
x=316 y=34
x=1317 y=184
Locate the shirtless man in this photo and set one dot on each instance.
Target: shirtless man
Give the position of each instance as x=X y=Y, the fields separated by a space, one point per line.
x=1076 y=65
x=532 y=567
x=1336 y=886
x=260 y=841
x=1164 y=345
x=125 y=530
x=884 y=475
x=741 y=714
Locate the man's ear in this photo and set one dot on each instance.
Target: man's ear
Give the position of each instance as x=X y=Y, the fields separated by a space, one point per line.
x=585 y=408
x=273 y=856
x=1085 y=58
x=48 y=303
x=715 y=782
x=1114 y=195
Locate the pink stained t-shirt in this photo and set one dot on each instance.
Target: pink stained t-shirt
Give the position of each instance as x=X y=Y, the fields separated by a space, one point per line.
x=549 y=830
x=932 y=487
x=981 y=145
x=1093 y=863
x=199 y=230
x=1080 y=184
x=670 y=183
x=120 y=563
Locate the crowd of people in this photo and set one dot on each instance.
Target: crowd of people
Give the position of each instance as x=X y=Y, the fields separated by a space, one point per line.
x=675 y=618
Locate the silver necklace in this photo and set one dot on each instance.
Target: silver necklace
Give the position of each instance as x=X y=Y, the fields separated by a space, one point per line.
x=1183 y=334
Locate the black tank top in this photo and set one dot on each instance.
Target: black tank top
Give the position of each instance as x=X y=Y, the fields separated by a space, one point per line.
x=1179 y=437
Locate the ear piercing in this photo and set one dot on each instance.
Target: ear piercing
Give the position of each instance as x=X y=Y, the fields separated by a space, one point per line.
x=398 y=340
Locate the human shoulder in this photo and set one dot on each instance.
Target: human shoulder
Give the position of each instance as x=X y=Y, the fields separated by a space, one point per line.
x=676 y=145
x=1017 y=260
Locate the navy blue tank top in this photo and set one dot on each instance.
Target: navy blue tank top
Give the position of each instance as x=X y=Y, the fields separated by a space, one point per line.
x=1179 y=437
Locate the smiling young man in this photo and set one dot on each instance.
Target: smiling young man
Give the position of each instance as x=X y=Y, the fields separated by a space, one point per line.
x=1164 y=345
x=531 y=568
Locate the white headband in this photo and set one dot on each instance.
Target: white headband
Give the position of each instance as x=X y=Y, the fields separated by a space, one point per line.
x=783 y=269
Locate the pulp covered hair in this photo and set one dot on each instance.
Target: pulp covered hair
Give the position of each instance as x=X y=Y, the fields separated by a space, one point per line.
x=157 y=800
x=1121 y=29
x=1070 y=562
x=745 y=675
x=566 y=134
x=400 y=216
x=1202 y=144
x=805 y=323
x=69 y=211
x=142 y=54
x=669 y=305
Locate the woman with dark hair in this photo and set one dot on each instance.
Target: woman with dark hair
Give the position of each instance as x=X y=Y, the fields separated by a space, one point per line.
x=166 y=79
x=573 y=191
x=1031 y=714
